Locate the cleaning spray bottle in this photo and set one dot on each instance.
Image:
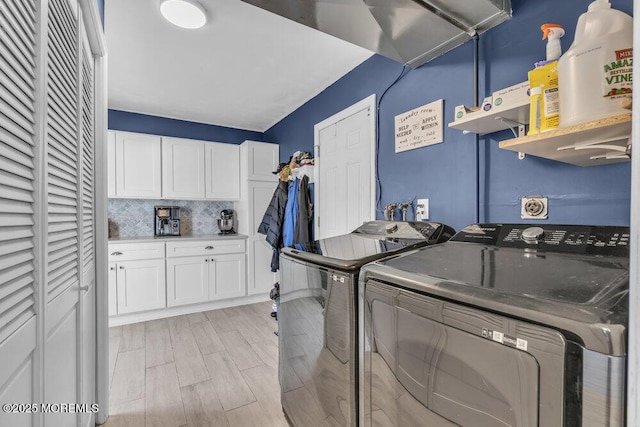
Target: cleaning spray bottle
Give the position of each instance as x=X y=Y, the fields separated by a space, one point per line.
x=596 y=72
x=543 y=84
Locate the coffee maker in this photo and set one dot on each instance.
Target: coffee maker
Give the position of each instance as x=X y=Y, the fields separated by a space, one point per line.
x=225 y=222
x=167 y=221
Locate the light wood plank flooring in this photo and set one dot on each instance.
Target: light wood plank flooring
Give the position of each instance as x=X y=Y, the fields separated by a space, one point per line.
x=217 y=368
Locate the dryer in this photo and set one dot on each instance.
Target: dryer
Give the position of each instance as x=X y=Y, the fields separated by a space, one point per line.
x=503 y=325
x=317 y=316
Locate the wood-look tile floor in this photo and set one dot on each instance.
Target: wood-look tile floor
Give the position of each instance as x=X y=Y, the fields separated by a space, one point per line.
x=217 y=368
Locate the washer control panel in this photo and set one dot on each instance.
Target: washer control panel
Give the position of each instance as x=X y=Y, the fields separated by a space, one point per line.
x=596 y=240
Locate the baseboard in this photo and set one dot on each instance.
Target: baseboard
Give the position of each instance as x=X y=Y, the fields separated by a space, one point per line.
x=144 y=316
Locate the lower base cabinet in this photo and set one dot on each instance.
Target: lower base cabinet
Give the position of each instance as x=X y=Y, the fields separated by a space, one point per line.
x=204 y=278
x=140 y=285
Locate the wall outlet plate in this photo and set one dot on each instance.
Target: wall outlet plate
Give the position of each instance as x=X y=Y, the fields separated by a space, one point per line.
x=534 y=207
x=422 y=209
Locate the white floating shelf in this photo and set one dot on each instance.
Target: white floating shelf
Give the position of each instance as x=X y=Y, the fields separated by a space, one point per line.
x=494 y=120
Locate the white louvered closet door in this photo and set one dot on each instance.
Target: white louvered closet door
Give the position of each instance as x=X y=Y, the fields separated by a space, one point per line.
x=18 y=122
x=62 y=355
x=87 y=319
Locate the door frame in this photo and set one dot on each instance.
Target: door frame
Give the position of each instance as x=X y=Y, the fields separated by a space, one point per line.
x=366 y=103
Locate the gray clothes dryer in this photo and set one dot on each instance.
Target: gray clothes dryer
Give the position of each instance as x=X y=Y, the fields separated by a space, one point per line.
x=317 y=322
x=503 y=325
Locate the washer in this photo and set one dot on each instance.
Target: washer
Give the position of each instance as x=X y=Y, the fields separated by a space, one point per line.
x=504 y=325
x=317 y=316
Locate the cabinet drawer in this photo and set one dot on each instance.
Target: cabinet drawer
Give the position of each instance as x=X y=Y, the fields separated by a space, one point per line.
x=135 y=251
x=204 y=247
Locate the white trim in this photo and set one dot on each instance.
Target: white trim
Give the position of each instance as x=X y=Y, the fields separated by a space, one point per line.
x=101 y=241
x=185 y=309
x=367 y=103
x=633 y=355
x=93 y=25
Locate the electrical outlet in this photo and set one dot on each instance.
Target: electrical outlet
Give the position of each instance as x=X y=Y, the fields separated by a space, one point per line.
x=534 y=208
x=422 y=209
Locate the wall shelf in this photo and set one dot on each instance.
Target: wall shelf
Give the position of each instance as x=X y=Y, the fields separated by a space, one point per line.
x=497 y=119
x=597 y=142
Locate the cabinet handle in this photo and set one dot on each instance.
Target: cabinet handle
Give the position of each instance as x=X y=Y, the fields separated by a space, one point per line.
x=112 y=268
x=213 y=259
x=116 y=253
x=121 y=267
x=209 y=247
x=206 y=260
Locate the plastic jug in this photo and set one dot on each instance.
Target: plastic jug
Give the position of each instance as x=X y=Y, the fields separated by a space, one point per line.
x=595 y=74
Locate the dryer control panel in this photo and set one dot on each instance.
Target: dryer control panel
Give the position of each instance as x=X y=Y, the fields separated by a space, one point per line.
x=593 y=240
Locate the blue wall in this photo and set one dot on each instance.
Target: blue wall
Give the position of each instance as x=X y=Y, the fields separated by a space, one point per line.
x=101 y=10
x=446 y=173
x=134 y=122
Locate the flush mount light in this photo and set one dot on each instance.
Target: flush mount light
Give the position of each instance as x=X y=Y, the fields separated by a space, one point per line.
x=184 y=13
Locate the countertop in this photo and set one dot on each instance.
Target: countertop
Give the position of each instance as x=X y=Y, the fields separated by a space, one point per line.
x=146 y=239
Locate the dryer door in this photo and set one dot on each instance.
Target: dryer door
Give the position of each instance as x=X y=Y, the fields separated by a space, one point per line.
x=433 y=362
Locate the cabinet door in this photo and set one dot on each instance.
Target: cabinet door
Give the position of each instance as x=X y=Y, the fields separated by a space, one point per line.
x=263 y=159
x=261 y=278
x=138 y=165
x=113 y=293
x=182 y=168
x=111 y=164
x=227 y=276
x=187 y=280
x=222 y=167
x=141 y=285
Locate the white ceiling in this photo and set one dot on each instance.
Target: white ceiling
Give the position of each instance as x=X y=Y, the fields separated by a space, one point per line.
x=246 y=69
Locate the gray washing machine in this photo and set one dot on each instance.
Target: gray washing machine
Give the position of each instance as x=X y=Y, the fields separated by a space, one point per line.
x=317 y=326
x=503 y=325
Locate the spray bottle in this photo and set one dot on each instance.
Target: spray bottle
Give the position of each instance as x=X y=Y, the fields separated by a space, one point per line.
x=543 y=84
x=553 y=33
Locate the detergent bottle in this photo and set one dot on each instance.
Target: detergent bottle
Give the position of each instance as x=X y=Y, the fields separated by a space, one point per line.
x=595 y=74
x=543 y=84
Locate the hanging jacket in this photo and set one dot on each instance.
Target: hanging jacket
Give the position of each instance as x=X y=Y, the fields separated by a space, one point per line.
x=290 y=214
x=271 y=224
x=305 y=213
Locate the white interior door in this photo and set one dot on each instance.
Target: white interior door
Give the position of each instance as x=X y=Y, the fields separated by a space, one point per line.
x=344 y=173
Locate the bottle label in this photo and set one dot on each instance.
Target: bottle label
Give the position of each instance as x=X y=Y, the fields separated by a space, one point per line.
x=618 y=75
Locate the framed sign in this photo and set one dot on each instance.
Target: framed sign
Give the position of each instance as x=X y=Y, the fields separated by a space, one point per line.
x=419 y=127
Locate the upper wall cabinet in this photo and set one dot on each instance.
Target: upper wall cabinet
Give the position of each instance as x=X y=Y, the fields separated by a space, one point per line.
x=137 y=166
x=182 y=168
x=153 y=167
x=222 y=171
x=263 y=159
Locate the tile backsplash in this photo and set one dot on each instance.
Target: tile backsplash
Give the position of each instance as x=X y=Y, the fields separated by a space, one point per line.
x=129 y=218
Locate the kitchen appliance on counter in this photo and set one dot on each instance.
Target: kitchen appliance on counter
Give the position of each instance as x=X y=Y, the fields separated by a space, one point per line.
x=317 y=316
x=504 y=324
x=167 y=221
x=225 y=222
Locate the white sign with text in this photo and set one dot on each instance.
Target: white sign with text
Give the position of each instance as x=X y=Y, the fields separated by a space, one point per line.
x=419 y=127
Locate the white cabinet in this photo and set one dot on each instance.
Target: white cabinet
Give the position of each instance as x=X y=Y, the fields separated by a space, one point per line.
x=136 y=277
x=227 y=276
x=222 y=169
x=113 y=291
x=183 y=168
x=262 y=160
x=111 y=164
x=140 y=285
x=199 y=271
x=257 y=162
x=187 y=280
x=137 y=165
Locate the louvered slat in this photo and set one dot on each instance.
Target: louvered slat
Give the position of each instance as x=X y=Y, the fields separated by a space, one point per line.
x=17 y=165
x=87 y=159
x=62 y=150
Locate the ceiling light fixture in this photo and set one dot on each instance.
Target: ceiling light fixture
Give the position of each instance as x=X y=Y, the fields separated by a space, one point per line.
x=184 y=13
